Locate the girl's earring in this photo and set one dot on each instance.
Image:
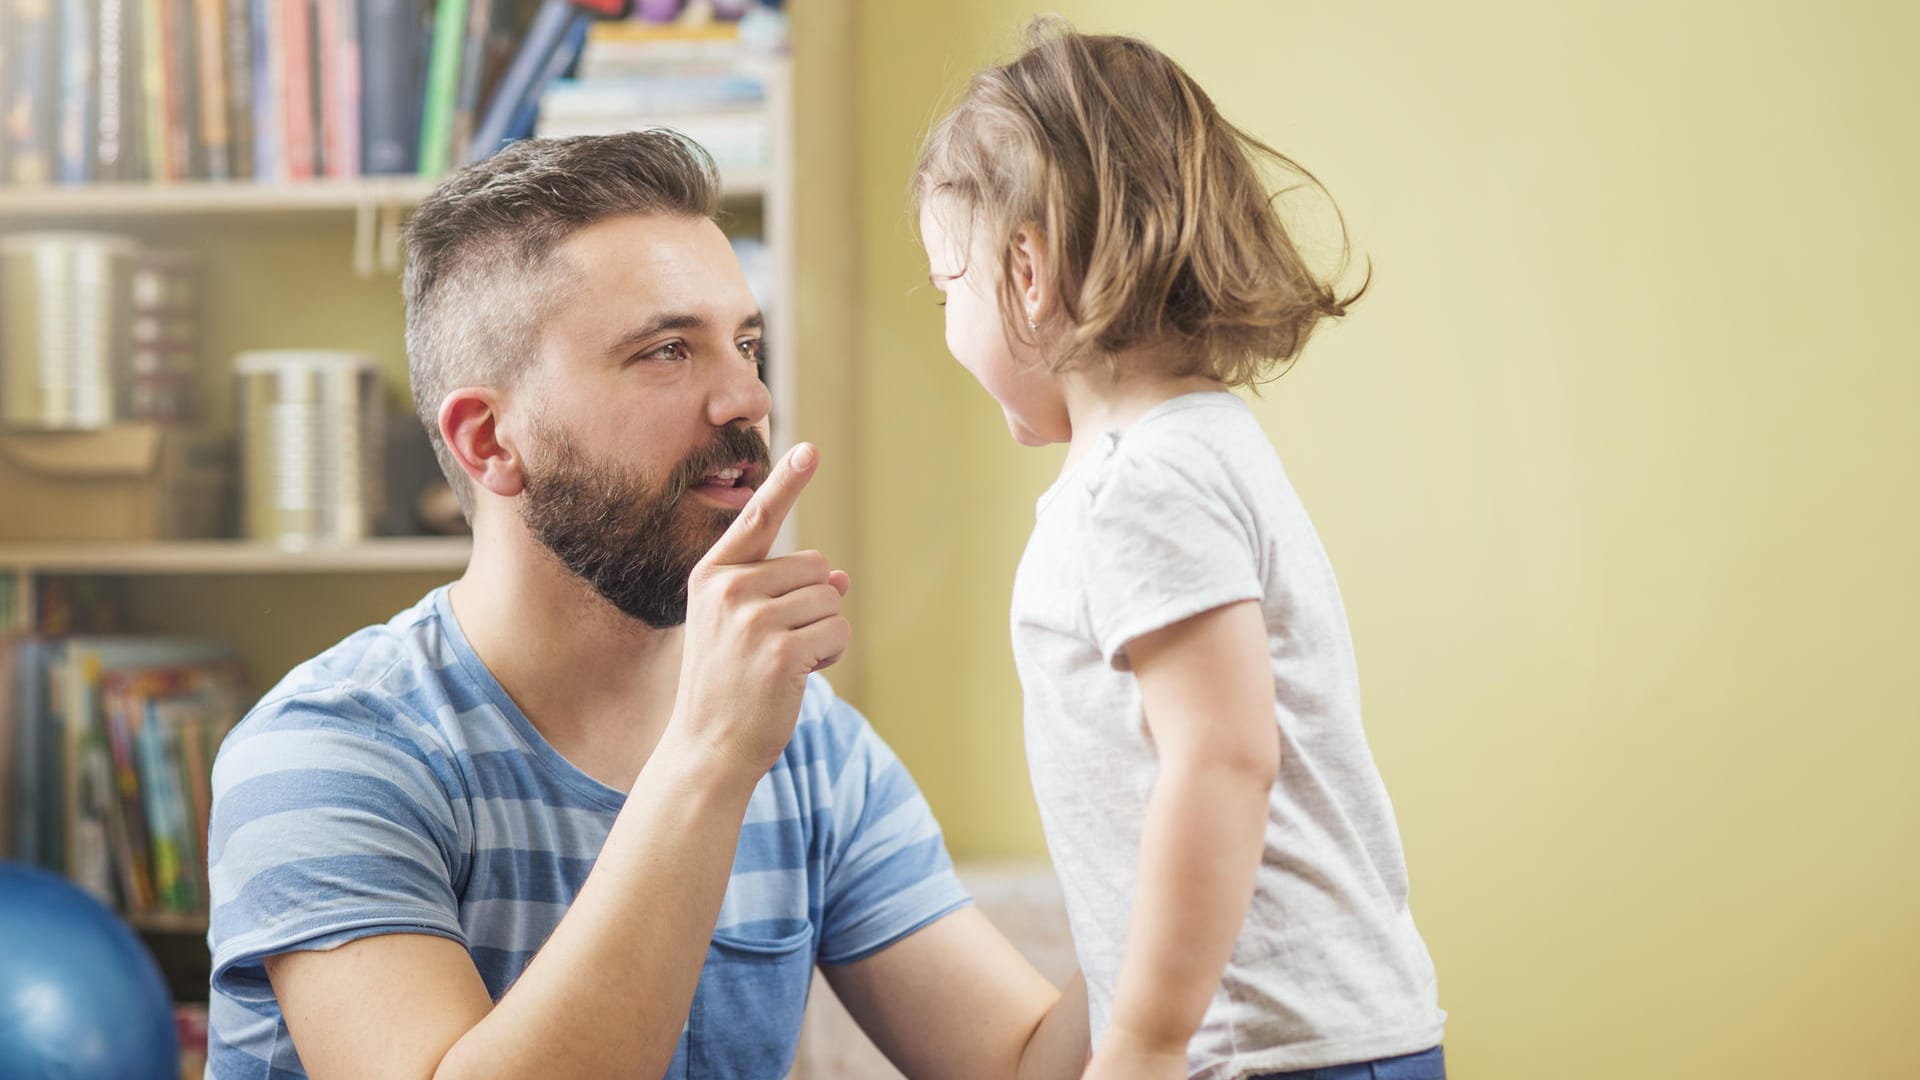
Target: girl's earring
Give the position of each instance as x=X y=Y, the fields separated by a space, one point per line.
x=1031 y=325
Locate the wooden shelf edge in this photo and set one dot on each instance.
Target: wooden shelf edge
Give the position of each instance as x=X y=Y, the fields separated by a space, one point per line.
x=224 y=197
x=167 y=922
x=382 y=555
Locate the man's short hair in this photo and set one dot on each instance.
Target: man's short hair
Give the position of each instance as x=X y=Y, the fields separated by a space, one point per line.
x=480 y=281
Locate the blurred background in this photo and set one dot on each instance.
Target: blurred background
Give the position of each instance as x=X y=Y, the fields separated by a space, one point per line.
x=1618 y=461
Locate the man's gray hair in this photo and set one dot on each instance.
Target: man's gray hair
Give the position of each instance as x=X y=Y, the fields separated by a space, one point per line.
x=479 y=284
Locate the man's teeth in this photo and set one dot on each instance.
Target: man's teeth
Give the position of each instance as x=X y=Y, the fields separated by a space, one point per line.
x=727 y=476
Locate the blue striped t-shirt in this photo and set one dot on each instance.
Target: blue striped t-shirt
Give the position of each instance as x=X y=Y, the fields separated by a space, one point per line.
x=389 y=785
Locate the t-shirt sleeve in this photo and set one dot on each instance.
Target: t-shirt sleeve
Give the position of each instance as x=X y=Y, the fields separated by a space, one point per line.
x=328 y=824
x=889 y=873
x=1164 y=541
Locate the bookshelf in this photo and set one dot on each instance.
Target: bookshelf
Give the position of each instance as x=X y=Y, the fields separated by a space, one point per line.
x=267 y=243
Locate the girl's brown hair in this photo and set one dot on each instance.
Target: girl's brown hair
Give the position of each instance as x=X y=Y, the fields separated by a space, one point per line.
x=1159 y=228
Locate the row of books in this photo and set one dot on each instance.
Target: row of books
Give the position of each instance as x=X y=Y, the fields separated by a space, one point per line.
x=163 y=90
x=106 y=755
x=707 y=80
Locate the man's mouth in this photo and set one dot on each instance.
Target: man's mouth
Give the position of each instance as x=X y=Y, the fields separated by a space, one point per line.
x=743 y=474
x=732 y=484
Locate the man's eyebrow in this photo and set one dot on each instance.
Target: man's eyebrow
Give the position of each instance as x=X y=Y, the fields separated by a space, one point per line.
x=659 y=324
x=672 y=320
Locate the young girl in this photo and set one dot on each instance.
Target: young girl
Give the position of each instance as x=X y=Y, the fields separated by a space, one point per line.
x=1112 y=268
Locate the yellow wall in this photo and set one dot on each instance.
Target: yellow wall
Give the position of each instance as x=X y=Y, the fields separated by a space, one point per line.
x=1617 y=464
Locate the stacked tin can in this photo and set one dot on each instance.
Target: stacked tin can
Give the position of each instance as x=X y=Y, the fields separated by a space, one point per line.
x=310 y=446
x=64 y=304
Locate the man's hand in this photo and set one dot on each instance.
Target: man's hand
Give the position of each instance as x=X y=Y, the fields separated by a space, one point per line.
x=756 y=627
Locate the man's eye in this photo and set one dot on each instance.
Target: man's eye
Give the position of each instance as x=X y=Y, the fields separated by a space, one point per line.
x=754 y=349
x=671 y=351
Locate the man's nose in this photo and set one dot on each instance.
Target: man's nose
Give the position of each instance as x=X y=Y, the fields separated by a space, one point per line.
x=738 y=396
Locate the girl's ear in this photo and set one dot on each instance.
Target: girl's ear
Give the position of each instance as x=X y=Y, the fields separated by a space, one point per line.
x=1030 y=270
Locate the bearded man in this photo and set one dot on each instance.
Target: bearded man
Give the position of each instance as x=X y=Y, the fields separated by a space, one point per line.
x=590 y=810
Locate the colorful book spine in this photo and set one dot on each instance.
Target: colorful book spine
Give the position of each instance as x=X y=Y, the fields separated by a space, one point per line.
x=196 y=788
x=210 y=54
x=552 y=42
x=121 y=704
x=179 y=93
x=340 y=86
x=30 y=753
x=6 y=170
x=240 y=88
x=473 y=65
x=111 y=122
x=29 y=91
x=390 y=100
x=154 y=143
x=269 y=77
x=77 y=88
x=296 y=28
x=164 y=821
x=443 y=84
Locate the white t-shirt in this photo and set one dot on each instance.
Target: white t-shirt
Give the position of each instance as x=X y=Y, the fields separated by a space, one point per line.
x=1188 y=510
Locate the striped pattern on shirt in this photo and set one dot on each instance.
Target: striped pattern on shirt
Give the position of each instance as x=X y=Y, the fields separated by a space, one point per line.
x=389 y=785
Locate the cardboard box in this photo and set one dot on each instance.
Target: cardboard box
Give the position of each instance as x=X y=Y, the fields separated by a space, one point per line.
x=132 y=481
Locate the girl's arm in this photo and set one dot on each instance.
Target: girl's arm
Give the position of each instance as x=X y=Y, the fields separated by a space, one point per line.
x=1207 y=686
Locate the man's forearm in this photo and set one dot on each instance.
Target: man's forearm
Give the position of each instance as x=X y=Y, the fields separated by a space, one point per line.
x=1204 y=832
x=609 y=992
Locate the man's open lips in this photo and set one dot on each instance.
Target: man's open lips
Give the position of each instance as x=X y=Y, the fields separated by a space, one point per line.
x=732 y=484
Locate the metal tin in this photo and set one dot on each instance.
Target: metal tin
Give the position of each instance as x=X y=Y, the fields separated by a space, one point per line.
x=64 y=301
x=310 y=446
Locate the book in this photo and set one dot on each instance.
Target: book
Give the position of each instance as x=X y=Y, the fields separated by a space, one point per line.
x=239 y=68
x=73 y=162
x=179 y=90
x=112 y=804
x=155 y=148
x=443 y=83
x=113 y=127
x=35 y=759
x=338 y=46
x=473 y=64
x=390 y=97
x=210 y=63
x=8 y=710
x=552 y=44
x=30 y=91
x=6 y=87
x=270 y=80
x=299 y=116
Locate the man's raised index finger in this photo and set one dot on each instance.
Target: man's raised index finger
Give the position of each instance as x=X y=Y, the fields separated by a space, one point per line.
x=750 y=538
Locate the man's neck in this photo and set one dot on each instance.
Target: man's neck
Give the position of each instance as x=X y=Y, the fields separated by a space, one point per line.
x=598 y=685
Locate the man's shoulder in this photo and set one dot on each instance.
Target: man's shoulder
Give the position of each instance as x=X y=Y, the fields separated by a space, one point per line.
x=386 y=682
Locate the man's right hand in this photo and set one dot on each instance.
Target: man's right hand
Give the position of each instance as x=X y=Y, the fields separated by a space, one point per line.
x=756 y=628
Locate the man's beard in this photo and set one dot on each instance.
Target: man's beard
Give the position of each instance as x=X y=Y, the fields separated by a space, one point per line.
x=634 y=544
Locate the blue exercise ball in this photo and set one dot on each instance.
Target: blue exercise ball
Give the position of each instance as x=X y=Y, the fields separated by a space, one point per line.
x=80 y=996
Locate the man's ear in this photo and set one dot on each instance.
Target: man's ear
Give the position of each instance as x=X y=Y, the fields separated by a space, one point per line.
x=1030 y=268
x=470 y=423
